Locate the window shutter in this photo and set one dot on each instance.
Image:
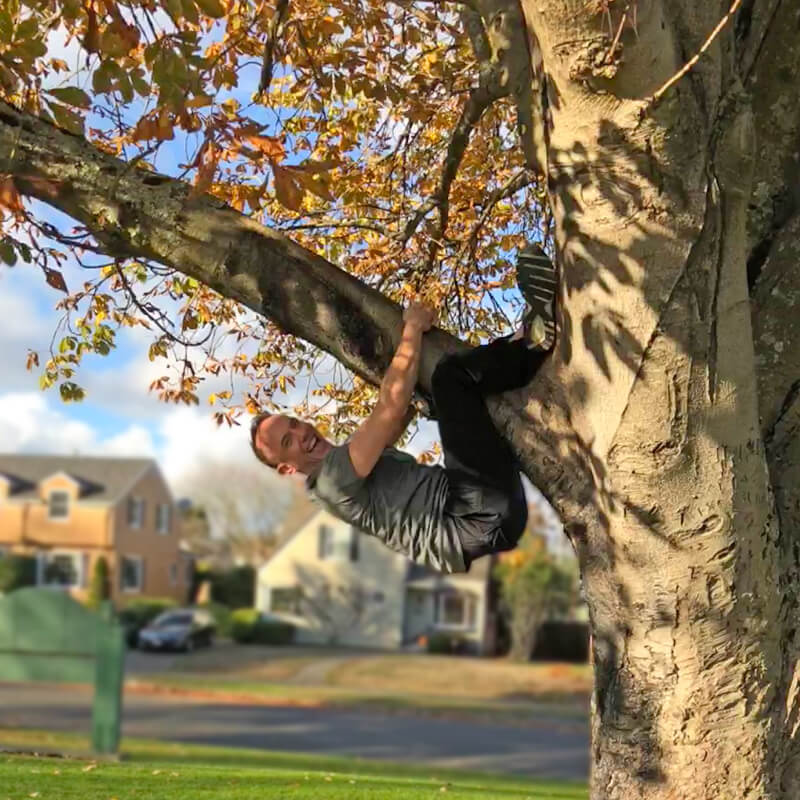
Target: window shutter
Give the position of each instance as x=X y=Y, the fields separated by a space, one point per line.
x=353 y=544
x=142 y=575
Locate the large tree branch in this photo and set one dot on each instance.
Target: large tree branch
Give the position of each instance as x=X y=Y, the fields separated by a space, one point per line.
x=136 y=213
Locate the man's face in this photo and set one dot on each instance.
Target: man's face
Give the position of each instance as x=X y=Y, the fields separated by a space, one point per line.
x=293 y=445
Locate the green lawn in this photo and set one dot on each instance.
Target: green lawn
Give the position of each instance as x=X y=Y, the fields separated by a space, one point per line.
x=151 y=770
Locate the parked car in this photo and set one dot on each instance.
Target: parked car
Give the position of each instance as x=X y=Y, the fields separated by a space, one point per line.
x=178 y=629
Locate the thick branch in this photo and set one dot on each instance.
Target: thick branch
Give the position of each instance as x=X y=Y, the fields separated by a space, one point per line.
x=135 y=213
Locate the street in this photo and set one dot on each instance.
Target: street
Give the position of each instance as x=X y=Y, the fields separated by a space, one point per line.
x=552 y=749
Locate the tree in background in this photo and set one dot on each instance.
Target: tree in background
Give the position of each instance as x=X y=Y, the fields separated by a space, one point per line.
x=100 y=586
x=234 y=513
x=534 y=586
x=254 y=183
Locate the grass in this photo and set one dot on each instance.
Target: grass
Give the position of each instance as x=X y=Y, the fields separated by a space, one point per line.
x=416 y=683
x=154 y=770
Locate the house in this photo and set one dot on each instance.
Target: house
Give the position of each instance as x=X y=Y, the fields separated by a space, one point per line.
x=336 y=584
x=69 y=511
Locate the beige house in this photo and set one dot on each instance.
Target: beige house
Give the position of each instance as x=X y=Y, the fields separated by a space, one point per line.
x=338 y=585
x=68 y=511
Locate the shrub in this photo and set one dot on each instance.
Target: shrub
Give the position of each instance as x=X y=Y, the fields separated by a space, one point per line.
x=222 y=617
x=446 y=643
x=17 y=572
x=100 y=587
x=249 y=627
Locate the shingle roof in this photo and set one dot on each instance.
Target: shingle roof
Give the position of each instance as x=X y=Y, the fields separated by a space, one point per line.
x=101 y=479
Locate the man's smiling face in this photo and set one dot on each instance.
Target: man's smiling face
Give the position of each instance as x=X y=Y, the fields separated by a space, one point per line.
x=292 y=445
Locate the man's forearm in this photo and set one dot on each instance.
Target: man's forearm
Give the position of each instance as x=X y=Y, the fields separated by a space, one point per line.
x=398 y=384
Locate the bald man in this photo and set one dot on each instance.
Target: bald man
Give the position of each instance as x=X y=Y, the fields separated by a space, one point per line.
x=441 y=516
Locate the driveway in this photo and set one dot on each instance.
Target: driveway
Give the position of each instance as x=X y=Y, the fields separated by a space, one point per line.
x=553 y=749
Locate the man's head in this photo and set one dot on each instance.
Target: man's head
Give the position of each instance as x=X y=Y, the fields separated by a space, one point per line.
x=287 y=444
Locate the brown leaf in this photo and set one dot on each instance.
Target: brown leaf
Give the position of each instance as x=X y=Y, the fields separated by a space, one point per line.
x=55 y=279
x=289 y=194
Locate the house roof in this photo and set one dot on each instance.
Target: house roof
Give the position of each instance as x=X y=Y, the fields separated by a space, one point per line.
x=101 y=479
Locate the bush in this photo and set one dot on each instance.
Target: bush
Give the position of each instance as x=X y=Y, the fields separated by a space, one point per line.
x=17 y=572
x=249 y=627
x=222 y=617
x=446 y=643
x=100 y=587
x=235 y=587
x=139 y=613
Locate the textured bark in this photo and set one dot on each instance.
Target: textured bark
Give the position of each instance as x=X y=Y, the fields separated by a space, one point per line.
x=681 y=554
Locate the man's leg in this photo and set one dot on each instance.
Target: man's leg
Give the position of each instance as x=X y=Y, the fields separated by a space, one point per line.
x=486 y=489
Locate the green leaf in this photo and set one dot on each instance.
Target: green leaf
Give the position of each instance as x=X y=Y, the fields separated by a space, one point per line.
x=101 y=79
x=7 y=252
x=72 y=96
x=67 y=119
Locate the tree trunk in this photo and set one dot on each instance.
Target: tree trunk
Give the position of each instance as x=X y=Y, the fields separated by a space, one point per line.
x=679 y=547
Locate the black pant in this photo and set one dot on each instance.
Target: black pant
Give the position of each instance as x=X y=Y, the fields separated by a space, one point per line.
x=486 y=497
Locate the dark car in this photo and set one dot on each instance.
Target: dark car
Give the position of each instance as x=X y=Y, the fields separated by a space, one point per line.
x=178 y=629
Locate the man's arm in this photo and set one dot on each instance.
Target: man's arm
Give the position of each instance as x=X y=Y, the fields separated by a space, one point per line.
x=383 y=426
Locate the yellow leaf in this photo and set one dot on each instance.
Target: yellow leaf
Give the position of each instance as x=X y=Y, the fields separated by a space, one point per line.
x=212 y=7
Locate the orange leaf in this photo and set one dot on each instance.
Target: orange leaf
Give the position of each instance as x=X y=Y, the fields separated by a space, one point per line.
x=272 y=148
x=289 y=194
x=9 y=196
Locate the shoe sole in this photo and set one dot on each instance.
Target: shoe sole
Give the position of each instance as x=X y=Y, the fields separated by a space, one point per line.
x=538 y=282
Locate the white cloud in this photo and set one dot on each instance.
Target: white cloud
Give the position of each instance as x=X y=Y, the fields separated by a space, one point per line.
x=28 y=424
x=191 y=438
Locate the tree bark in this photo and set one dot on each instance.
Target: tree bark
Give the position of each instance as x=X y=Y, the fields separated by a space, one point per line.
x=681 y=555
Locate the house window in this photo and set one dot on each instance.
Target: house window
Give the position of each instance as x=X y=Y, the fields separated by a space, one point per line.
x=61 y=569
x=285 y=600
x=173 y=574
x=454 y=610
x=135 y=512
x=131 y=573
x=338 y=544
x=58 y=505
x=163 y=517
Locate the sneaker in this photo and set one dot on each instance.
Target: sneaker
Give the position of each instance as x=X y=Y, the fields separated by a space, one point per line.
x=538 y=282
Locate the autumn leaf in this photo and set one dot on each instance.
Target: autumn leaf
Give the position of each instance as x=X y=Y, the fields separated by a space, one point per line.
x=55 y=279
x=9 y=196
x=272 y=148
x=314 y=184
x=213 y=8
x=289 y=194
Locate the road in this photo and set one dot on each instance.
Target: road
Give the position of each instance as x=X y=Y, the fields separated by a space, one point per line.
x=551 y=749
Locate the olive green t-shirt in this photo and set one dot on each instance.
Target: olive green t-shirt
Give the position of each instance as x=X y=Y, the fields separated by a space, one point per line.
x=401 y=502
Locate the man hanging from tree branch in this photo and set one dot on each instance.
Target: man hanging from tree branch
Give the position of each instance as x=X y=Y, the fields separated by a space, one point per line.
x=443 y=517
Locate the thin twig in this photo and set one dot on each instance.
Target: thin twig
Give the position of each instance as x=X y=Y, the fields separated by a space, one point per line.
x=692 y=61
